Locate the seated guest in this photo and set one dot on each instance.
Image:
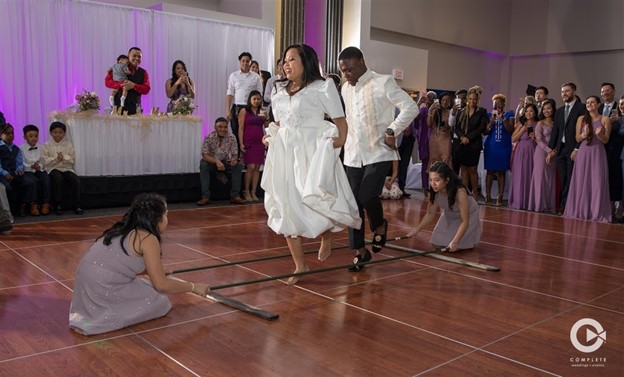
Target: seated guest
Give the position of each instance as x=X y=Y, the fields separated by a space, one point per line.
x=59 y=157
x=34 y=167
x=12 y=171
x=109 y=294
x=5 y=208
x=220 y=155
x=5 y=211
x=179 y=84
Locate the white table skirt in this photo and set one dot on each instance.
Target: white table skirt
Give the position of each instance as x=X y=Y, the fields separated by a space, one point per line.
x=113 y=145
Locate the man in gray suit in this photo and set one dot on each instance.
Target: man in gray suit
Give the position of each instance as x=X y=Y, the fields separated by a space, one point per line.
x=563 y=138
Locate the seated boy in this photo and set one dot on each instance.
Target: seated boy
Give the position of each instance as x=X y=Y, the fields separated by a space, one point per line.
x=58 y=158
x=220 y=155
x=12 y=171
x=33 y=166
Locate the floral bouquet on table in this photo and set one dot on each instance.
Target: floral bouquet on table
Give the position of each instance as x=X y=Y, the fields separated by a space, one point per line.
x=87 y=101
x=183 y=106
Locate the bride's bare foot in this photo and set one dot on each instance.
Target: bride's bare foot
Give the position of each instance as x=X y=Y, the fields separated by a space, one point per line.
x=325 y=249
x=295 y=279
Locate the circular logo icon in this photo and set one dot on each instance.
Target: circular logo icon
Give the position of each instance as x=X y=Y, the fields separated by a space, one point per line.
x=594 y=331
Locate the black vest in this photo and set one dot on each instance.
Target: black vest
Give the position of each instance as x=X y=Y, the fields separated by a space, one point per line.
x=133 y=98
x=8 y=158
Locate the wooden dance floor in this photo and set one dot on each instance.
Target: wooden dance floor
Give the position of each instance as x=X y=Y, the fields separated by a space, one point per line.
x=412 y=317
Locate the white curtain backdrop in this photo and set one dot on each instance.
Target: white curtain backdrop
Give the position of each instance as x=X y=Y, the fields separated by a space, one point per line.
x=52 y=49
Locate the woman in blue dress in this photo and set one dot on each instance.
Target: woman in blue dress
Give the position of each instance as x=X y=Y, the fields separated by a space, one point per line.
x=497 y=148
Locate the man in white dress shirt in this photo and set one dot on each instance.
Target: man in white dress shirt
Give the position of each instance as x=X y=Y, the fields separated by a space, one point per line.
x=240 y=84
x=371 y=101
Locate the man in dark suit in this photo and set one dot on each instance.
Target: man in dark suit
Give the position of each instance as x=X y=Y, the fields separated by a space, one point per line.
x=609 y=108
x=609 y=104
x=563 y=139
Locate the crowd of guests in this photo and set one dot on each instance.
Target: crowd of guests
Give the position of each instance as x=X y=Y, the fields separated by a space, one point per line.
x=549 y=150
x=566 y=160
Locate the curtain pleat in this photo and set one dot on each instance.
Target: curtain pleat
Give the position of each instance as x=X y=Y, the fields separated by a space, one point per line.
x=333 y=35
x=292 y=23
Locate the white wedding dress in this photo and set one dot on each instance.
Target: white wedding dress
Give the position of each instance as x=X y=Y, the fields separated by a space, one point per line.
x=306 y=188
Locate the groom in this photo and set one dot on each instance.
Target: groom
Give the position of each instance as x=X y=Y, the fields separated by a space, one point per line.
x=371 y=101
x=137 y=84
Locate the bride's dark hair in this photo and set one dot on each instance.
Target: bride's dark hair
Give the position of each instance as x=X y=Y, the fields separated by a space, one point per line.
x=310 y=62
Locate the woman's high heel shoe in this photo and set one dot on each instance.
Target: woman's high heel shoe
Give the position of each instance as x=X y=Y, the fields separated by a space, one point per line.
x=488 y=200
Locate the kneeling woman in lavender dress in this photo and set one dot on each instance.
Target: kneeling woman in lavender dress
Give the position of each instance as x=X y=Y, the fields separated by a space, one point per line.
x=108 y=294
x=459 y=226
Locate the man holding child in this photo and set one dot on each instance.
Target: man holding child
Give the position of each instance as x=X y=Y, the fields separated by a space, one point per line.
x=137 y=84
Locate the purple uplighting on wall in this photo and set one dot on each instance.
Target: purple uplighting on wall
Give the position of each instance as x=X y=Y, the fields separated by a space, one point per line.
x=313 y=29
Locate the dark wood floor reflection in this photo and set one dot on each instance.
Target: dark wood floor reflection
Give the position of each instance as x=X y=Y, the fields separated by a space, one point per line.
x=417 y=316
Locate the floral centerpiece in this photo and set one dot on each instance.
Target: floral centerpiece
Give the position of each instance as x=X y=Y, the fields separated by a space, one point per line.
x=87 y=101
x=183 y=106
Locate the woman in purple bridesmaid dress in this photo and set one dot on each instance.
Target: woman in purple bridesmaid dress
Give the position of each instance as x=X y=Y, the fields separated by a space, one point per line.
x=522 y=165
x=588 y=198
x=542 y=195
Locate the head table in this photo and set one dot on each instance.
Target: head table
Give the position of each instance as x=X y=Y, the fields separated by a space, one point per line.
x=133 y=145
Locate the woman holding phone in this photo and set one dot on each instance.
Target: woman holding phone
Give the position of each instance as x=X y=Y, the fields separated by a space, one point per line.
x=497 y=148
x=179 y=84
x=522 y=164
x=440 y=137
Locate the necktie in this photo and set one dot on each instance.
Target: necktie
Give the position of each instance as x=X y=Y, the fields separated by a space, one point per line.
x=607 y=110
x=32 y=148
x=565 y=120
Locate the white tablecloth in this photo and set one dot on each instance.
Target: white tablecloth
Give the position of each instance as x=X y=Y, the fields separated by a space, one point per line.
x=113 y=145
